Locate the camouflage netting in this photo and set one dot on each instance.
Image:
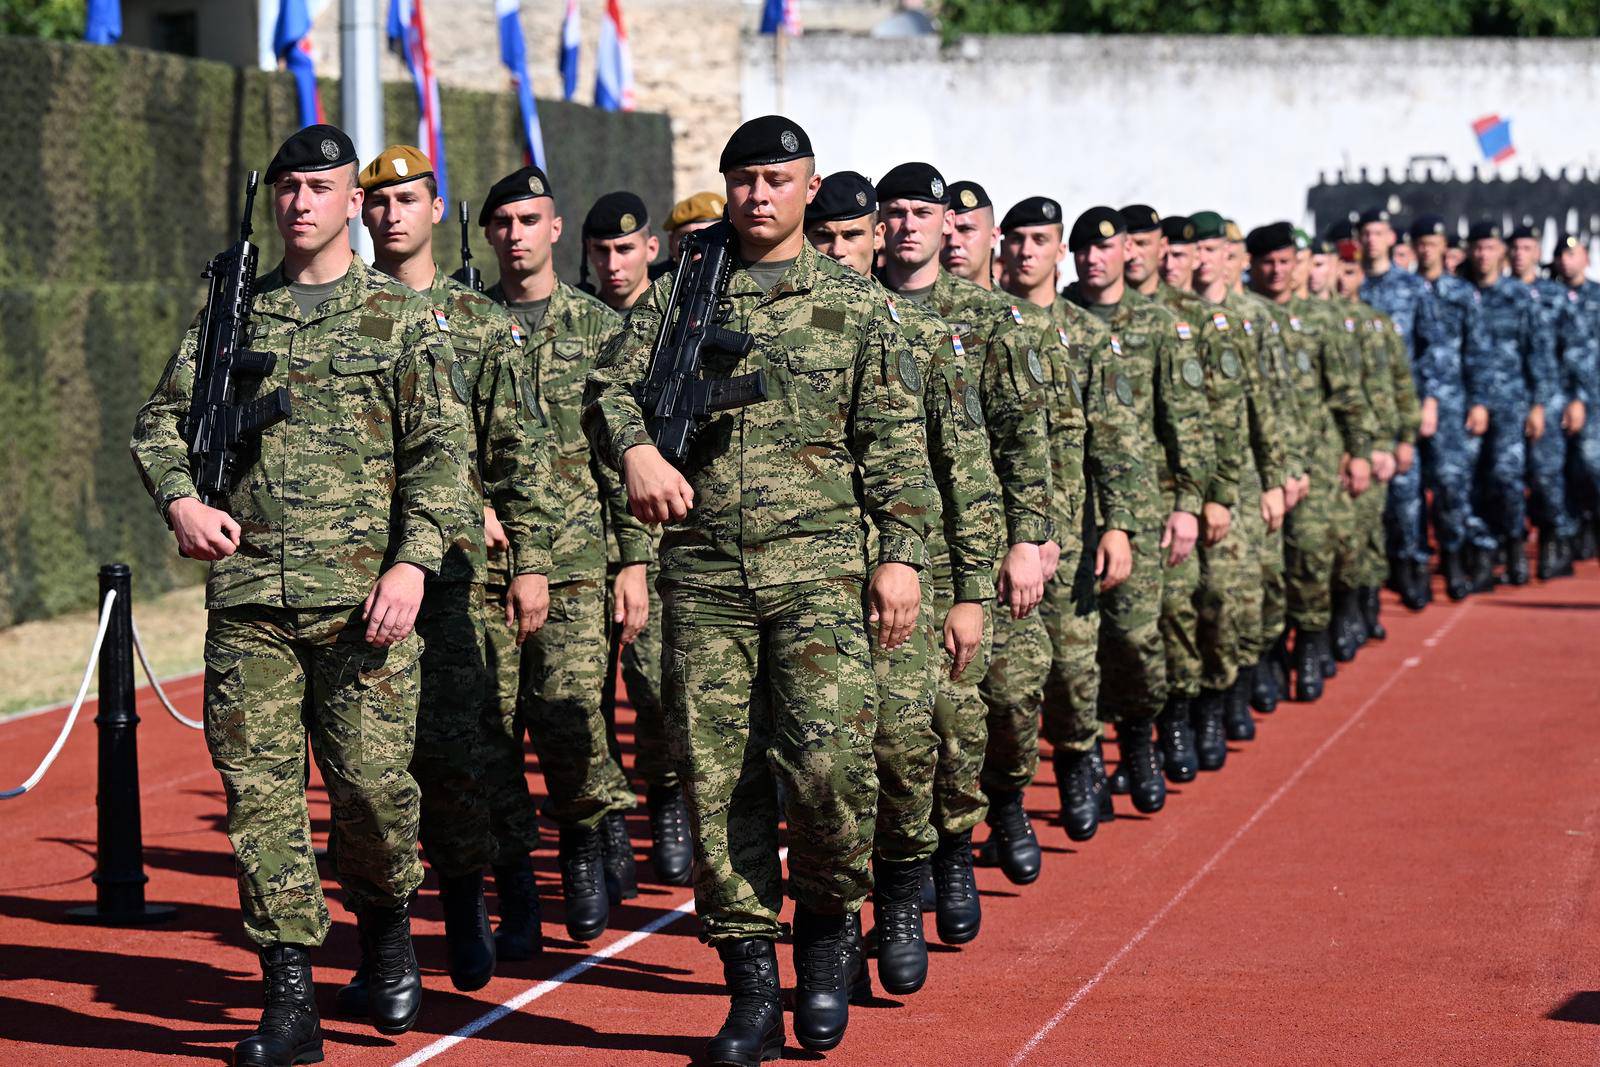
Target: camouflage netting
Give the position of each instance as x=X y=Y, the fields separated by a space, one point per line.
x=126 y=169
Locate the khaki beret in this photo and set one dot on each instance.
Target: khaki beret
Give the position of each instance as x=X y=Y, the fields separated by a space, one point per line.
x=395 y=164
x=701 y=207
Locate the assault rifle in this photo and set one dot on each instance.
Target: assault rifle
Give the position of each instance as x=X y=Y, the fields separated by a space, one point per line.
x=676 y=399
x=219 y=430
x=468 y=274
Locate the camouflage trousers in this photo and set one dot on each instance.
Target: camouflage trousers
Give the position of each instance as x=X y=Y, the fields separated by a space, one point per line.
x=1310 y=545
x=513 y=819
x=765 y=687
x=455 y=729
x=1274 y=617
x=641 y=673
x=905 y=744
x=1547 y=474
x=1180 y=626
x=1500 y=475
x=1446 y=461
x=1133 y=662
x=274 y=678
x=1070 y=612
x=1361 y=552
x=1013 y=691
x=961 y=723
x=1229 y=596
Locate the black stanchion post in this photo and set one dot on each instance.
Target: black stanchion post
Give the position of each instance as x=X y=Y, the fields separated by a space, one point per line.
x=119 y=876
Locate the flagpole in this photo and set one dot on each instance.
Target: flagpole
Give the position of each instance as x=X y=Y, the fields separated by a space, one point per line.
x=360 y=92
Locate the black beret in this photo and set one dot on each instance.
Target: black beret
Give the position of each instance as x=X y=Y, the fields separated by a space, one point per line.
x=1141 y=218
x=1321 y=246
x=524 y=184
x=1034 y=211
x=1428 y=226
x=317 y=147
x=1178 y=230
x=764 y=141
x=1096 y=225
x=1571 y=239
x=1483 y=231
x=844 y=195
x=1269 y=238
x=1527 y=230
x=615 y=215
x=967 y=196
x=913 y=181
x=1208 y=226
x=1372 y=214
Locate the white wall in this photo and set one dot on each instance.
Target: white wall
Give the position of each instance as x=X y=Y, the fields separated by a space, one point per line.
x=1239 y=124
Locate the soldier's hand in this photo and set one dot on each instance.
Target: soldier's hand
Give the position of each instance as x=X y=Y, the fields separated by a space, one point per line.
x=1405 y=454
x=1273 y=507
x=1302 y=489
x=896 y=599
x=1430 y=417
x=1573 y=417
x=1291 y=494
x=1022 y=579
x=528 y=604
x=202 y=532
x=656 y=491
x=1478 y=420
x=1178 y=538
x=1113 y=559
x=1533 y=425
x=963 y=634
x=1356 y=474
x=494 y=535
x=391 y=607
x=1383 y=465
x=1217 y=521
x=1049 y=559
x=631 y=595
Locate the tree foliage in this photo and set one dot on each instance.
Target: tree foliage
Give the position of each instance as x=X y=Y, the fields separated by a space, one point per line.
x=55 y=20
x=1358 y=18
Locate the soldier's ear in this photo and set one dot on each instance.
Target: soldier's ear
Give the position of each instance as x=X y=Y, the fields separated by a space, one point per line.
x=555 y=229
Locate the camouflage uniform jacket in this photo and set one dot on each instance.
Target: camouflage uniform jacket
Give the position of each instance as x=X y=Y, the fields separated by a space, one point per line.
x=1409 y=300
x=1382 y=351
x=370 y=469
x=1225 y=389
x=1586 y=304
x=1517 y=367
x=510 y=447
x=1561 y=317
x=1156 y=371
x=565 y=535
x=1271 y=409
x=783 y=489
x=1328 y=361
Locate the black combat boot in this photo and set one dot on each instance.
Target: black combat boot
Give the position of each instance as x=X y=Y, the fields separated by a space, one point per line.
x=289 y=1031
x=519 y=935
x=1263 y=685
x=1555 y=556
x=1278 y=656
x=1207 y=711
x=1480 y=568
x=468 y=939
x=823 y=947
x=394 y=983
x=1457 y=585
x=1011 y=833
x=1236 y=719
x=1176 y=734
x=1102 y=785
x=1516 y=561
x=616 y=856
x=959 y=912
x=1080 y=802
x=583 y=884
x=1330 y=666
x=1343 y=637
x=1371 y=608
x=753 y=1031
x=1414 y=587
x=1146 y=788
x=670 y=852
x=1587 y=545
x=897 y=919
x=1307 y=665
x=930 y=897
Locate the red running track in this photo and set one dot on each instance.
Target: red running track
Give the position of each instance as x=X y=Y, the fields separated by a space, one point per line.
x=1403 y=873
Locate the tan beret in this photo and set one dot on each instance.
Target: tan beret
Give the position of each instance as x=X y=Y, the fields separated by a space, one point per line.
x=395 y=164
x=1231 y=229
x=701 y=207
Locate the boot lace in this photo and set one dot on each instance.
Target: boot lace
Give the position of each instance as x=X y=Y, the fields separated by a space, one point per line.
x=391 y=945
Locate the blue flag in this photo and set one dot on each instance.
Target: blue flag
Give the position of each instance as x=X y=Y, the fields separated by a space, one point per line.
x=105 y=22
x=569 y=51
x=514 y=54
x=291 y=42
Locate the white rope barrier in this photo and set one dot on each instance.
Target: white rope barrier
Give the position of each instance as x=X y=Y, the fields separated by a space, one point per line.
x=138 y=646
x=77 y=705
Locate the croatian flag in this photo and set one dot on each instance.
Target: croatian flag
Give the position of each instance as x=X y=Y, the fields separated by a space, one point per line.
x=514 y=54
x=779 y=16
x=291 y=42
x=613 y=76
x=1494 y=138
x=409 y=37
x=105 y=22
x=569 y=52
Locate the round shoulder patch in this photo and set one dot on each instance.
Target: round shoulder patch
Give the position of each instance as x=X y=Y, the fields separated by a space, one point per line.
x=910 y=376
x=458 y=380
x=1035 y=367
x=1124 y=389
x=1230 y=363
x=1193 y=376
x=974 y=405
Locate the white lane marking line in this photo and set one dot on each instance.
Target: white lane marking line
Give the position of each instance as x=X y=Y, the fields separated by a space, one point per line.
x=550 y=985
x=1133 y=942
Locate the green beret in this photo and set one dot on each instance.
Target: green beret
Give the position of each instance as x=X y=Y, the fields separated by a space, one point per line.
x=1208 y=226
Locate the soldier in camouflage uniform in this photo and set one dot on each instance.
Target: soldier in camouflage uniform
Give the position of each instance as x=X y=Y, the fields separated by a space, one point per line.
x=1583 y=458
x=969 y=716
x=316 y=581
x=1155 y=371
x=559 y=546
x=842 y=223
x=1095 y=445
x=763 y=583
